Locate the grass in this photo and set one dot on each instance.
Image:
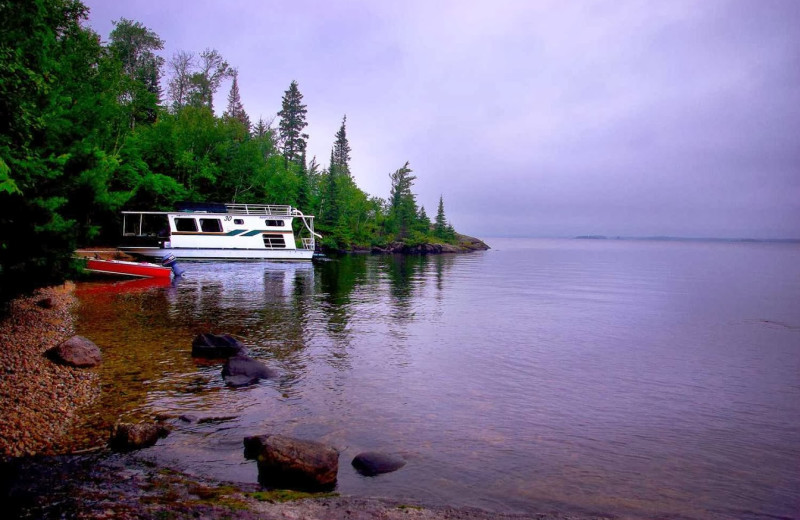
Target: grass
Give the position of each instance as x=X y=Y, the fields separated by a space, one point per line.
x=406 y=506
x=287 y=495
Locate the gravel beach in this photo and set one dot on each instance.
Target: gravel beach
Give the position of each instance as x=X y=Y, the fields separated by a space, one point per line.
x=39 y=399
x=39 y=403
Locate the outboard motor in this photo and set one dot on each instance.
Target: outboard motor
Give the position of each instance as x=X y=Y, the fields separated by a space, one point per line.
x=171 y=262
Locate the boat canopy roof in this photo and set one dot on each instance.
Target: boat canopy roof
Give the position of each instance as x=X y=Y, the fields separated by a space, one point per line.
x=230 y=209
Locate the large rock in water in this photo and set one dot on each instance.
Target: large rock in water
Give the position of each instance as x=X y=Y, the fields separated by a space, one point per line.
x=287 y=463
x=216 y=346
x=77 y=351
x=243 y=370
x=129 y=436
x=371 y=463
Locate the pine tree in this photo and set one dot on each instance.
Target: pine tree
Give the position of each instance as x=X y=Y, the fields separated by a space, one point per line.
x=440 y=227
x=423 y=221
x=293 y=121
x=303 y=190
x=402 y=205
x=235 y=108
x=261 y=128
x=330 y=208
x=340 y=155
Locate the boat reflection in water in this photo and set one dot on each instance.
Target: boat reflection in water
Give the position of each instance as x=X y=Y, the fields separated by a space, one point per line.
x=122 y=286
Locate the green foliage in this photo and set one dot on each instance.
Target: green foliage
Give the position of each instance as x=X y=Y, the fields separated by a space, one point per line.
x=403 y=208
x=54 y=80
x=235 y=108
x=84 y=134
x=7 y=184
x=288 y=495
x=441 y=229
x=293 y=121
x=134 y=45
x=340 y=155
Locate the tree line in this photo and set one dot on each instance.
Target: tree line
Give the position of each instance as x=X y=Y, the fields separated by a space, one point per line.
x=86 y=130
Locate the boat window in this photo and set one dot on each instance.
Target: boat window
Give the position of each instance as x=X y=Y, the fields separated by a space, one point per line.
x=211 y=225
x=185 y=224
x=238 y=221
x=273 y=223
x=274 y=241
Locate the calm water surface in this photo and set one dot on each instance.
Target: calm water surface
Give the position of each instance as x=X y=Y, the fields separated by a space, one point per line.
x=633 y=377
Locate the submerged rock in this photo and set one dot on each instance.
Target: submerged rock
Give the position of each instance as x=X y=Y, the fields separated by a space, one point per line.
x=215 y=346
x=243 y=370
x=288 y=463
x=371 y=463
x=129 y=436
x=77 y=351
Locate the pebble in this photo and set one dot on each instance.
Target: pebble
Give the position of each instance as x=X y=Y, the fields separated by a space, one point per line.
x=38 y=398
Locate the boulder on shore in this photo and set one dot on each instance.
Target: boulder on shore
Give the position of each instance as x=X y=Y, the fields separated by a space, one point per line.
x=371 y=463
x=288 y=463
x=253 y=446
x=215 y=346
x=77 y=351
x=242 y=370
x=129 y=436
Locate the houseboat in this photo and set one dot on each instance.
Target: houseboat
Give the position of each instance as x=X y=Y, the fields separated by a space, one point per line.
x=220 y=232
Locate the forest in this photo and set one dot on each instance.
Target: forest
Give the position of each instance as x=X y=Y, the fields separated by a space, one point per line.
x=89 y=128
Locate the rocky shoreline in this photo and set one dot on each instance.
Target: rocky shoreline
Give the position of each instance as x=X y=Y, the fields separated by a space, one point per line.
x=41 y=401
x=465 y=244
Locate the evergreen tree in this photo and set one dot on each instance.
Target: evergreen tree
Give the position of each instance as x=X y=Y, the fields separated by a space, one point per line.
x=423 y=221
x=261 y=128
x=330 y=198
x=235 y=108
x=340 y=155
x=303 y=189
x=403 y=206
x=293 y=121
x=440 y=227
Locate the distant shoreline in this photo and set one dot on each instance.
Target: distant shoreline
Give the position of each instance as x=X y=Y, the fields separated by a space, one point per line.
x=689 y=239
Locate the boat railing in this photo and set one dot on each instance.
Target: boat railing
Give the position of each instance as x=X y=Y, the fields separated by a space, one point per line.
x=308 y=243
x=259 y=209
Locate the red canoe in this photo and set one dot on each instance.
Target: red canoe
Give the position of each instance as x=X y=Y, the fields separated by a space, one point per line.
x=123 y=268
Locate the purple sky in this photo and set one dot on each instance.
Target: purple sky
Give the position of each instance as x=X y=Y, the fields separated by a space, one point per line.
x=532 y=118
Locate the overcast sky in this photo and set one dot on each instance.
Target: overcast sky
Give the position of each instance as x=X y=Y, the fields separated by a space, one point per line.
x=532 y=118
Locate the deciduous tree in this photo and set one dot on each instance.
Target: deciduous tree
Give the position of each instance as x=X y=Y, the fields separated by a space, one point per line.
x=181 y=66
x=134 y=45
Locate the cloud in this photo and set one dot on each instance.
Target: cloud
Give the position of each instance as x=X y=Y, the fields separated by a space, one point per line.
x=539 y=118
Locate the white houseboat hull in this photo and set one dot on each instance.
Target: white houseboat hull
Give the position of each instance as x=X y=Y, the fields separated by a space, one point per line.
x=219 y=254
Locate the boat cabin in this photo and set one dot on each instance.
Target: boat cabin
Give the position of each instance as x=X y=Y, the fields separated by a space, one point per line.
x=221 y=231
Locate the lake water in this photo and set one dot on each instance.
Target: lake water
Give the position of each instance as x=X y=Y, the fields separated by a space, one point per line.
x=639 y=378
